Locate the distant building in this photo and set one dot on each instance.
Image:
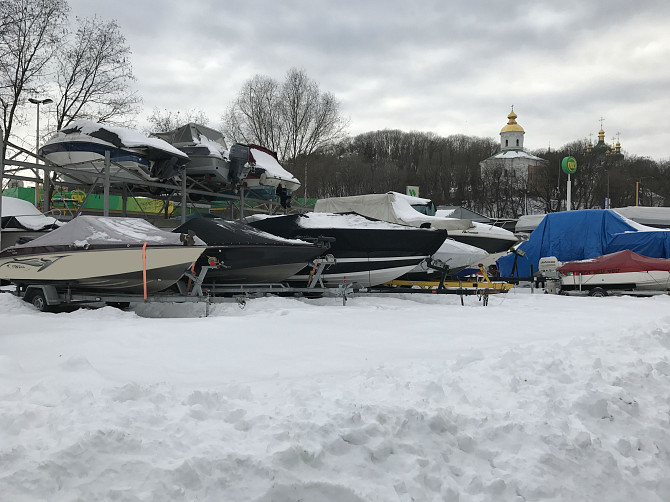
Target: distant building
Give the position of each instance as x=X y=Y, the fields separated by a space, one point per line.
x=603 y=148
x=512 y=157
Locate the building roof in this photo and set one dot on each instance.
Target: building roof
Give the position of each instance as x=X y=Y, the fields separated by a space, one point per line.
x=515 y=154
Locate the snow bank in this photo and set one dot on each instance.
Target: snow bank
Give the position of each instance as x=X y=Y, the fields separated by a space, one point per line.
x=535 y=397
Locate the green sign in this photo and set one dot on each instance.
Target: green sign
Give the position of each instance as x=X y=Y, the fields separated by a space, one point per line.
x=569 y=165
x=413 y=191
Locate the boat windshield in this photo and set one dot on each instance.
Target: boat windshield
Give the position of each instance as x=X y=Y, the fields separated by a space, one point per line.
x=427 y=209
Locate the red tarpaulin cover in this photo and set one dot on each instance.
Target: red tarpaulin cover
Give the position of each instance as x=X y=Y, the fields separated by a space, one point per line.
x=622 y=261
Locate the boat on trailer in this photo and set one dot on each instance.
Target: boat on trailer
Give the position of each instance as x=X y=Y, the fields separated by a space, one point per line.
x=366 y=252
x=106 y=254
x=80 y=147
x=623 y=270
x=242 y=254
x=394 y=207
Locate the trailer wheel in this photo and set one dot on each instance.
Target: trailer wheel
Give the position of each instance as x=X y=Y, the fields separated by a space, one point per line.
x=39 y=301
x=598 y=292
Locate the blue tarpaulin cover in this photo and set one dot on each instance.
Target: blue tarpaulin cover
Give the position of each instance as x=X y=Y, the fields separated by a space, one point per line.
x=654 y=244
x=569 y=235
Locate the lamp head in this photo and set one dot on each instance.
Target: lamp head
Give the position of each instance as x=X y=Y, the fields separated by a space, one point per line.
x=40 y=101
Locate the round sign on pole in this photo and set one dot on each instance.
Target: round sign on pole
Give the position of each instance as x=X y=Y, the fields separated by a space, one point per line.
x=569 y=165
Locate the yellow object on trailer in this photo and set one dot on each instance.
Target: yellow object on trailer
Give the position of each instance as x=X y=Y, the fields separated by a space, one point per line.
x=483 y=283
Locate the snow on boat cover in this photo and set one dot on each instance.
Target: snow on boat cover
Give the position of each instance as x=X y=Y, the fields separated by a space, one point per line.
x=101 y=231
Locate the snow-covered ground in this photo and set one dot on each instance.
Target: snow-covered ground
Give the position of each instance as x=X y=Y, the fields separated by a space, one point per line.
x=535 y=397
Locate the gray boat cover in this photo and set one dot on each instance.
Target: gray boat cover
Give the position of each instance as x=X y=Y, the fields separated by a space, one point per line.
x=85 y=231
x=392 y=207
x=658 y=217
x=191 y=134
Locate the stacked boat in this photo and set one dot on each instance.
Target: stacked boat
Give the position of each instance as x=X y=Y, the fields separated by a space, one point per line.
x=195 y=150
x=253 y=167
x=81 y=147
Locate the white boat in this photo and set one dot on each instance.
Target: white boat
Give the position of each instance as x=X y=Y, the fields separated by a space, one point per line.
x=623 y=270
x=22 y=221
x=402 y=209
x=267 y=178
x=81 y=146
x=452 y=254
x=111 y=255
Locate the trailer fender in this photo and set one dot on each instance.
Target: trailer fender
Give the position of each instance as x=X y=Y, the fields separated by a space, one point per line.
x=47 y=292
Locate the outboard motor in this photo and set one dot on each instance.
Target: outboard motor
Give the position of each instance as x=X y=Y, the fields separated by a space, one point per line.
x=241 y=162
x=165 y=168
x=284 y=197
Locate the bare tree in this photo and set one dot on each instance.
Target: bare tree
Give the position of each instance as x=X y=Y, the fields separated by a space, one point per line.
x=292 y=118
x=94 y=74
x=310 y=118
x=167 y=120
x=30 y=33
x=254 y=116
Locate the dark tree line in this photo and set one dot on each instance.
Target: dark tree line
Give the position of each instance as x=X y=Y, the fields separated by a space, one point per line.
x=447 y=170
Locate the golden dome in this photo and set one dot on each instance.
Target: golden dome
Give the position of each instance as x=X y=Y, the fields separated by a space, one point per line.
x=511 y=125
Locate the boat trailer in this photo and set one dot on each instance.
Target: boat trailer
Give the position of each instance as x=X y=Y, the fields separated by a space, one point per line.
x=193 y=288
x=482 y=286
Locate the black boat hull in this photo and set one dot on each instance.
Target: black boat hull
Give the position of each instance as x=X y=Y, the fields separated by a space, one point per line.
x=365 y=256
x=257 y=264
x=246 y=255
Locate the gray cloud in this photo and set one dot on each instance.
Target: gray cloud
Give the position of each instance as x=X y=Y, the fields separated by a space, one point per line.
x=447 y=67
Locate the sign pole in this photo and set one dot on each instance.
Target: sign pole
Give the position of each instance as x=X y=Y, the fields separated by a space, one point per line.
x=569 y=166
x=568 y=202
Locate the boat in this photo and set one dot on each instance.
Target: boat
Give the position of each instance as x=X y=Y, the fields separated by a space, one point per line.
x=211 y=163
x=21 y=222
x=102 y=254
x=580 y=235
x=452 y=257
x=267 y=178
x=367 y=252
x=394 y=207
x=623 y=270
x=134 y=157
x=247 y=255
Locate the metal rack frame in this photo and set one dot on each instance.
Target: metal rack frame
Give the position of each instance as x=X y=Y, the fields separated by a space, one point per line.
x=180 y=191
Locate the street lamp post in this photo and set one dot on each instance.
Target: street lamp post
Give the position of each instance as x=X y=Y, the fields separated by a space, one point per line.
x=38 y=102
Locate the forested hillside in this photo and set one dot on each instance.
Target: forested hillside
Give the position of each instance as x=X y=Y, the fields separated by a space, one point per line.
x=447 y=170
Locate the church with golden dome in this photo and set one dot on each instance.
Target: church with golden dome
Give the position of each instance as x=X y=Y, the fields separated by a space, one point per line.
x=601 y=147
x=512 y=157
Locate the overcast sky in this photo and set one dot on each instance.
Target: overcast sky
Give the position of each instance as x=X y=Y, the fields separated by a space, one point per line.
x=450 y=67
